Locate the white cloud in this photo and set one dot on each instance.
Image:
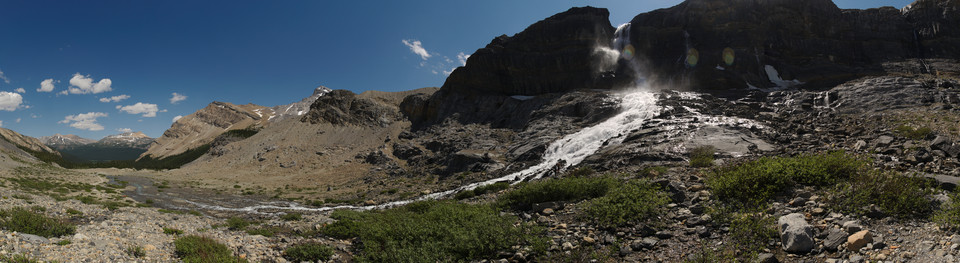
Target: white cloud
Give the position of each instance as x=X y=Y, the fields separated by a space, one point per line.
x=80 y=84
x=463 y=58
x=175 y=119
x=417 y=48
x=20 y=90
x=4 y=77
x=117 y=98
x=10 y=101
x=125 y=130
x=177 y=98
x=147 y=109
x=46 y=85
x=85 y=121
x=17 y=121
x=447 y=72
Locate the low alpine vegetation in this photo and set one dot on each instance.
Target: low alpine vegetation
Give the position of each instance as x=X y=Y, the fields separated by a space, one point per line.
x=24 y=220
x=311 y=251
x=481 y=190
x=702 y=156
x=431 y=231
x=635 y=201
x=570 y=189
x=198 y=249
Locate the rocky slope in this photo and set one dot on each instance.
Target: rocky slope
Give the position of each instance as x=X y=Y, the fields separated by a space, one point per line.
x=203 y=126
x=137 y=140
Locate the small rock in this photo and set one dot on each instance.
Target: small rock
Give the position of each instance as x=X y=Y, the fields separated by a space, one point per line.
x=856 y=259
x=852 y=227
x=649 y=242
x=589 y=240
x=370 y=202
x=767 y=258
x=547 y=211
x=834 y=239
x=817 y=211
x=567 y=246
x=34 y=238
x=859 y=240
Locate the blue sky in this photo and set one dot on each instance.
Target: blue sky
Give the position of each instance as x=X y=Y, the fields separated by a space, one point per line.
x=115 y=65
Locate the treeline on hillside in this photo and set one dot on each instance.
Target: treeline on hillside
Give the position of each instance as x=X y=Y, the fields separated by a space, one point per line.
x=170 y=162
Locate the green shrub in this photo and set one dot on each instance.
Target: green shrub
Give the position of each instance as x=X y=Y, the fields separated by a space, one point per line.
x=197 y=249
x=633 y=202
x=891 y=193
x=702 y=156
x=653 y=171
x=310 y=251
x=430 y=231
x=292 y=217
x=74 y=212
x=136 y=251
x=949 y=214
x=755 y=182
x=562 y=189
x=64 y=242
x=750 y=233
x=268 y=231
x=916 y=134
x=172 y=231
x=23 y=220
x=237 y=223
x=18 y=258
x=481 y=190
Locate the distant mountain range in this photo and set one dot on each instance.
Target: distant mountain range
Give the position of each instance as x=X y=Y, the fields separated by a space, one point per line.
x=123 y=146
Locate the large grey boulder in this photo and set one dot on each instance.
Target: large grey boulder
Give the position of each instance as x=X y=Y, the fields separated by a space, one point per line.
x=795 y=233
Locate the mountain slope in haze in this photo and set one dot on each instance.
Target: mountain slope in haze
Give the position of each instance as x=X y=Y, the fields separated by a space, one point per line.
x=202 y=127
x=123 y=146
x=60 y=141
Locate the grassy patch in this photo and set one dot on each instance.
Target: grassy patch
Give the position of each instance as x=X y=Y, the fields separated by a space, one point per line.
x=311 y=252
x=636 y=201
x=653 y=171
x=702 y=156
x=237 y=223
x=197 y=249
x=23 y=220
x=892 y=193
x=64 y=242
x=18 y=258
x=431 y=231
x=269 y=231
x=481 y=190
x=75 y=212
x=562 y=189
x=753 y=183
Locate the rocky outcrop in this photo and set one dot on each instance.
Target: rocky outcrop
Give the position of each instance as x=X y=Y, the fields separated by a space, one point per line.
x=297 y=109
x=722 y=45
x=343 y=107
x=203 y=126
x=27 y=142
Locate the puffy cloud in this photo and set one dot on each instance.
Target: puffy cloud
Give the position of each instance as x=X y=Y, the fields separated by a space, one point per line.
x=125 y=130
x=177 y=98
x=20 y=90
x=175 y=119
x=417 y=48
x=80 y=84
x=17 y=121
x=147 y=109
x=4 y=77
x=463 y=58
x=85 y=121
x=46 y=85
x=117 y=98
x=10 y=101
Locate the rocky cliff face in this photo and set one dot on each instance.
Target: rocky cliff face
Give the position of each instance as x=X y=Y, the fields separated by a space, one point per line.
x=203 y=126
x=343 y=107
x=722 y=45
x=25 y=141
x=297 y=109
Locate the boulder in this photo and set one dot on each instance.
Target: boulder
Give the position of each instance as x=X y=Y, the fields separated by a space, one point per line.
x=834 y=239
x=796 y=234
x=859 y=240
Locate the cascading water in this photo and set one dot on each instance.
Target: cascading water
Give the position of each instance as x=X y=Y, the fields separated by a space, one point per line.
x=638 y=105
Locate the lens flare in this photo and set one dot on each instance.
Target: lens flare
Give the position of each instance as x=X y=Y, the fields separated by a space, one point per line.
x=729 y=56
x=693 y=57
x=627 y=52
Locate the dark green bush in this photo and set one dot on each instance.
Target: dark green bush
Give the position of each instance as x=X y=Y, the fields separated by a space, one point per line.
x=292 y=217
x=912 y=133
x=892 y=193
x=237 y=223
x=310 y=251
x=136 y=251
x=636 y=201
x=197 y=249
x=268 y=231
x=562 y=189
x=750 y=233
x=702 y=156
x=23 y=220
x=481 y=190
x=755 y=182
x=172 y=231
x=430 y=231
